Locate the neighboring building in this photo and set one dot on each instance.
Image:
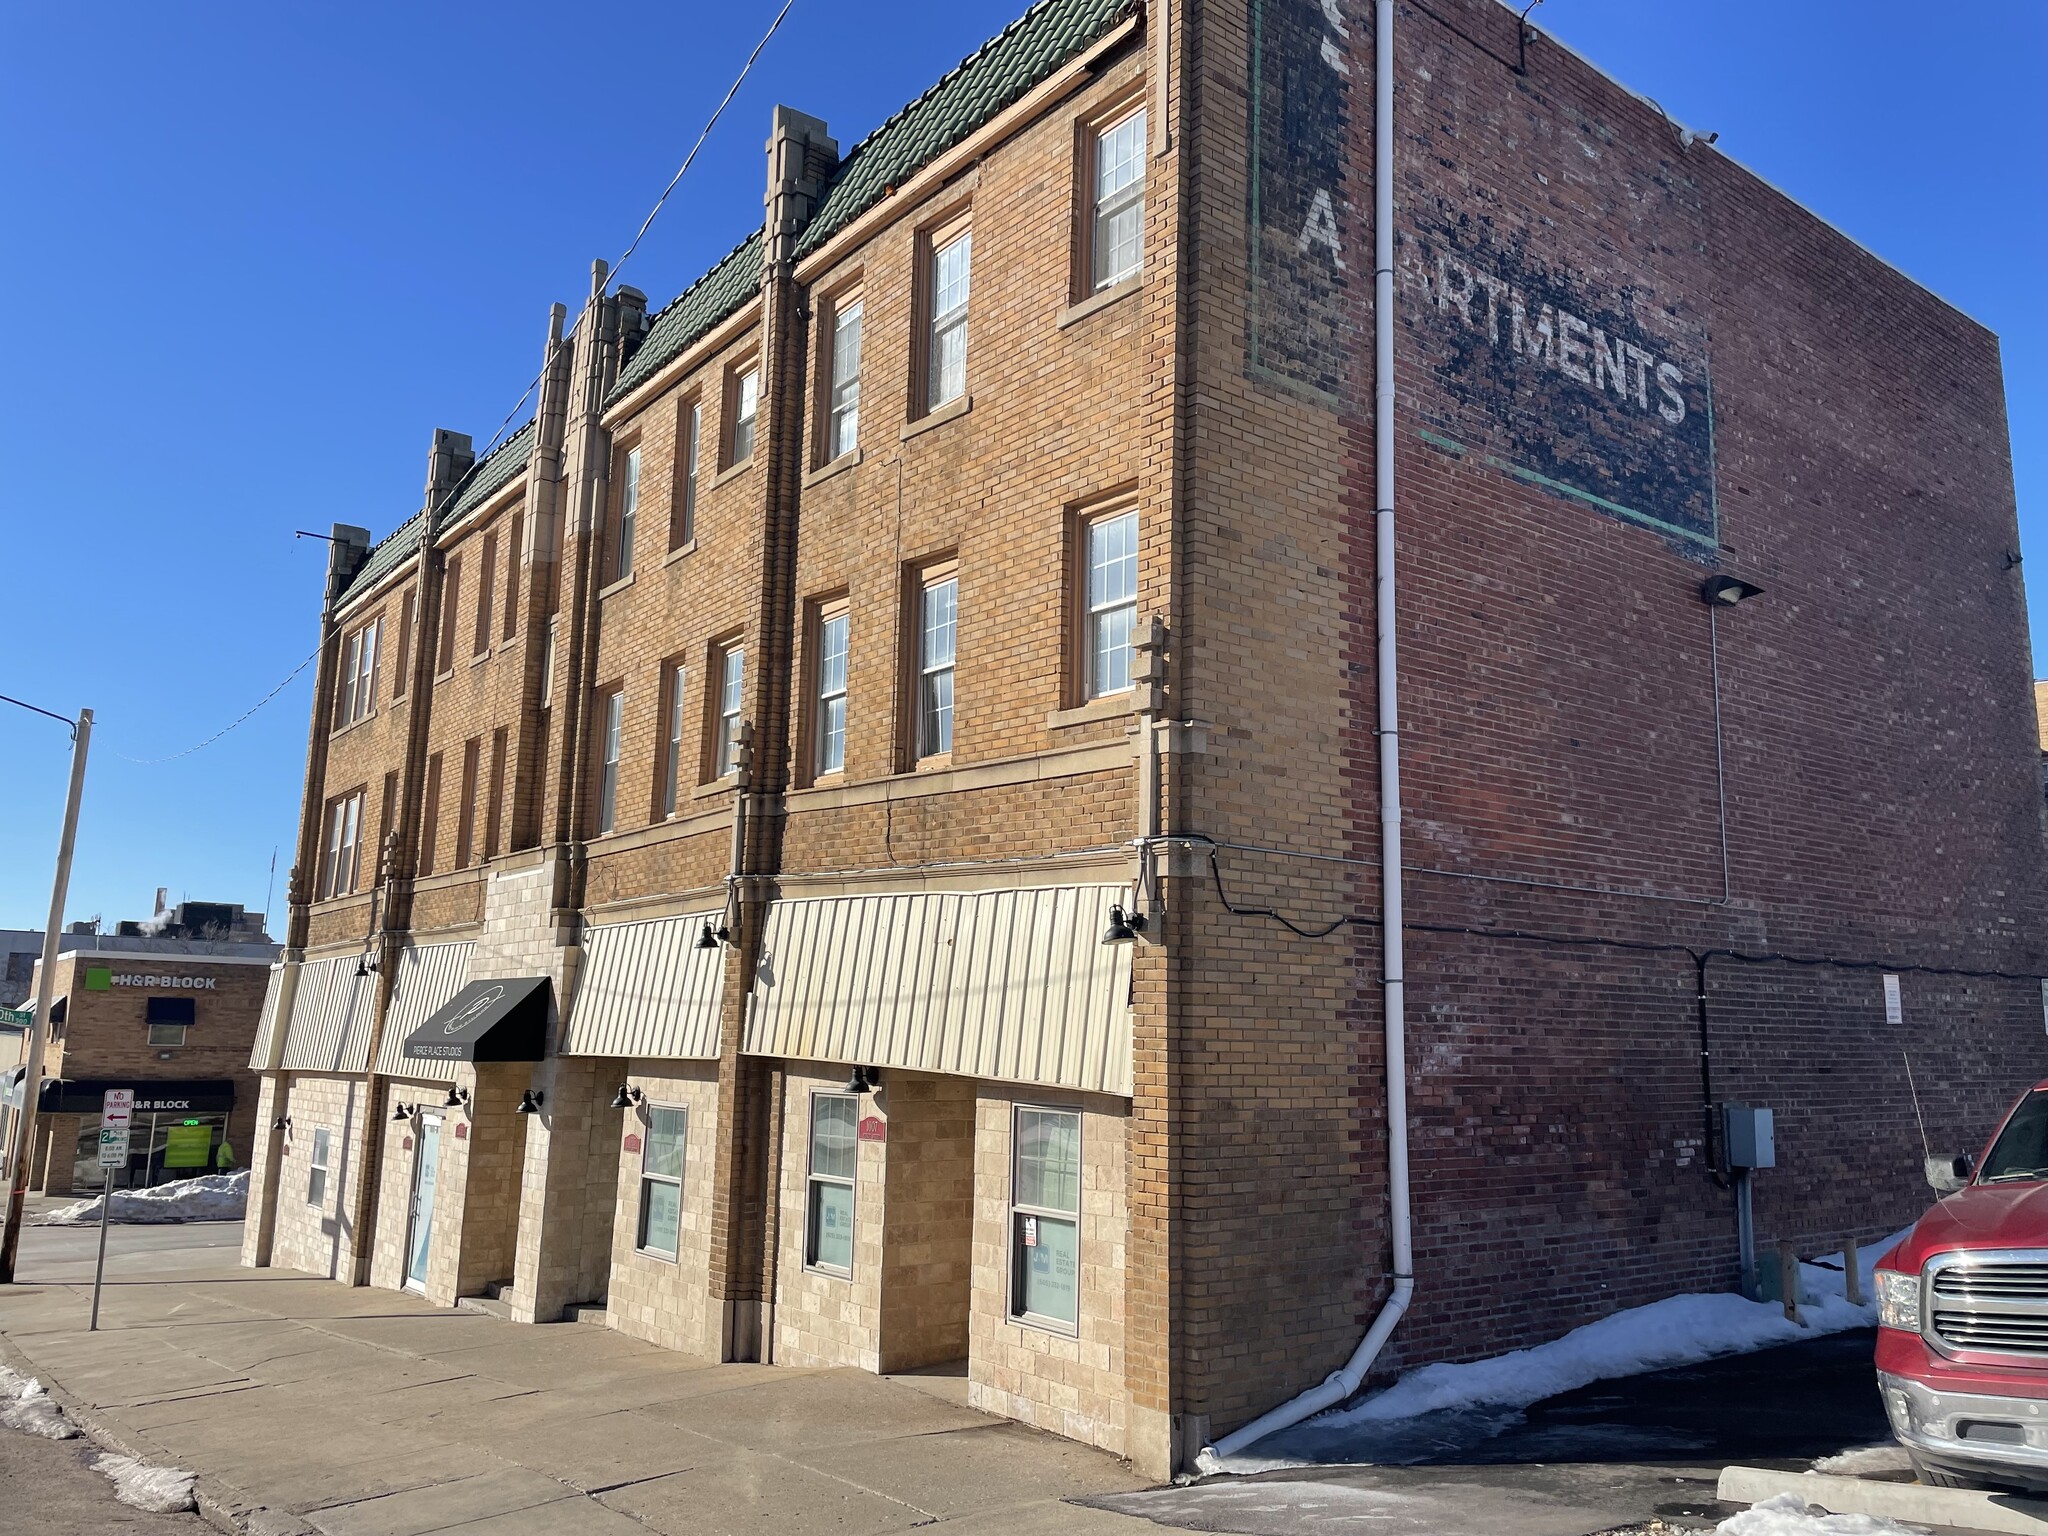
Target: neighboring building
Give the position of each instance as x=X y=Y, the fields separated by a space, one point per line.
x=166 y=1012
x=726 y=800
x=225 y=928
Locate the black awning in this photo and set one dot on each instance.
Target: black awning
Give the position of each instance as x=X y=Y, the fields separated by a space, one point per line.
x=504 y=1020
x=173 y=1096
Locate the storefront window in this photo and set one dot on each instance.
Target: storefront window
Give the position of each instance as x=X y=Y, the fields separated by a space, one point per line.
x=661 y=1180
x=835 y=1150
x=161 y=1147
x=1045 y=1211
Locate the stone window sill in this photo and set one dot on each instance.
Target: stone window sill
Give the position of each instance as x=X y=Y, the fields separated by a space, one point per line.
x=1095 y=302
x=730 y=473
x=689 y=548
x=717 y=786
x=618 y=586
x=838 y=466
x=952 y=410
x=1112 y=706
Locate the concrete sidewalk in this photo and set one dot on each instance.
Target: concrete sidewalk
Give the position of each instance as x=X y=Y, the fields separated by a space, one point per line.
x=306 y=1406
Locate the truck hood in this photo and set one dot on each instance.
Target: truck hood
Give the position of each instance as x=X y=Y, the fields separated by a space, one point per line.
x=1982 y=1216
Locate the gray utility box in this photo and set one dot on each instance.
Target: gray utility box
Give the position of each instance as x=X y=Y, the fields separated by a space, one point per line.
x=1748 y=1136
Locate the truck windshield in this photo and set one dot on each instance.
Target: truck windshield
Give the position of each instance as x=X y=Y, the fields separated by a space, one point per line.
x=2021 y=1151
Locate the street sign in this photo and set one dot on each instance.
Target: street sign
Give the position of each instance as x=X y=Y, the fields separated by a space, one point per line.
x=116 y=1112
x=17 y=1018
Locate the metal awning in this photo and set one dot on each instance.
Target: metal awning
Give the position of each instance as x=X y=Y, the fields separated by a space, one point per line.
x=502 y=1020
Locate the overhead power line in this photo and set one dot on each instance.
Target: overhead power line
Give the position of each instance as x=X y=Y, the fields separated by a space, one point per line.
x=151 y=762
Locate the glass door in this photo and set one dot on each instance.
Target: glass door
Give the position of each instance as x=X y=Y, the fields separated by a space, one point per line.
x=426 y=1170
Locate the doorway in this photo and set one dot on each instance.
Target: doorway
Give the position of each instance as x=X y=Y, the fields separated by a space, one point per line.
x=419 y=1231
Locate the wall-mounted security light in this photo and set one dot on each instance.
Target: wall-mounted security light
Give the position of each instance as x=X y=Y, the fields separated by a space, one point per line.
x=1124 y=927
x=402 y=1112
x=1727 y=591
x=530 y=1103
x=458 y=1098
x=626 y=1097
x=281 y=1123
x=864 y=1080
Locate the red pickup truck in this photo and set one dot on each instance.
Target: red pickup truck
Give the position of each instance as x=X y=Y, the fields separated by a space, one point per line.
x=1962 y=1342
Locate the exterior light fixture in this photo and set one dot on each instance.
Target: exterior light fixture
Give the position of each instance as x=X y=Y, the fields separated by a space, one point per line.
x=530 y=1103
x=707 y=939
x=1727 y=591
x=864 y=1080
x=1124 y=927
x=401 y=1112
x=281 y=1123
x=626 y=1097
x=365 y=966
x=458 y=1098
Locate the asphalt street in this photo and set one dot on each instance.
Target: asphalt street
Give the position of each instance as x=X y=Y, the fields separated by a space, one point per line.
x=47 y=1488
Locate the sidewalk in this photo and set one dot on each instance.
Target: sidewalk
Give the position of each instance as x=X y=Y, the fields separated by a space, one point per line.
x=306 y=1406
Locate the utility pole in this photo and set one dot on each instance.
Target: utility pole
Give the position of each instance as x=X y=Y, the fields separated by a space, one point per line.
x=23 y=1141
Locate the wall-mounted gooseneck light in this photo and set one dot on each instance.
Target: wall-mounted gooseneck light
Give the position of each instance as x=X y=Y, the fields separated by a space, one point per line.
x=627 y=1097
x=530 y=1103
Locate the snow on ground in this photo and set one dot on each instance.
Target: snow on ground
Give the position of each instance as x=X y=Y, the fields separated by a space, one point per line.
x=1866 y=1461
x=25 y=1406
x=1680 y=1330
x=160 y=1490
x=211 y=1197
x=1790 y=1515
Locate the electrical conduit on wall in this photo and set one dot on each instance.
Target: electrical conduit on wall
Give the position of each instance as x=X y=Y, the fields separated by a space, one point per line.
x=1343 y=1383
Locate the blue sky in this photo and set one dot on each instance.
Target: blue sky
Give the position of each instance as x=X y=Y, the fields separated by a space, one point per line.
x=256 y=252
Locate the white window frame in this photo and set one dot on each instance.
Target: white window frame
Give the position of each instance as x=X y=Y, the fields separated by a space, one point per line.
x=930 y=741
x=813 y=1179
x=948 y=319
x=828 y=754
x=731 y=704
x=745 y=397
x=684 y=529
x=173 y=1034
x=357 y=684
x=629 y=512
x=1101 y=608
x=610 y=747
x=316 y=1175
x=342 y=846
x=672 y=744
x=1014 y=1304
x=842 y=411
x=1109 y=203
x=647 y=1178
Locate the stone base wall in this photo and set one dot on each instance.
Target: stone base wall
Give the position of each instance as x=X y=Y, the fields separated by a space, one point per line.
x=653 y=1297
x=309 y=1236
x=928 y=1216
x=823 y=1318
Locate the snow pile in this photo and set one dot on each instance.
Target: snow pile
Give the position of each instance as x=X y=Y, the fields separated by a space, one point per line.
x=1790 y=1515
x=25 y=1406
x=160 y=1490
x=211 y=1197
x=1866 y=1461
x=1680 y=1330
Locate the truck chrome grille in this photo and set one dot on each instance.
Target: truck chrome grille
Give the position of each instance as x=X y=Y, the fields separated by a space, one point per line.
x=1998 y=1305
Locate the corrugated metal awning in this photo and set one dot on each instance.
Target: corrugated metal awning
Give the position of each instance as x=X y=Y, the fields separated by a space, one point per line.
x=648 y=990
x=330 y=1027
x=428 y=976
x=1014 y=985
x=267 y=1021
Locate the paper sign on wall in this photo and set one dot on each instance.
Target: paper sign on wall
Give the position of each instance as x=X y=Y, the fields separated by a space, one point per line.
x=1894 y=1005
x=1030 y=1231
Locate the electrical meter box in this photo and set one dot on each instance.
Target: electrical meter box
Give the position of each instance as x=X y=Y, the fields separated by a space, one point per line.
x=1748 y=1136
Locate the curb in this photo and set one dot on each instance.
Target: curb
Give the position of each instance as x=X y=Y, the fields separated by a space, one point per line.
x=2006 y=1514
x=221 y=1505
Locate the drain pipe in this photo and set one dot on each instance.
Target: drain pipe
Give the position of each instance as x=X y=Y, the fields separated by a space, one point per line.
x=1342 y=1384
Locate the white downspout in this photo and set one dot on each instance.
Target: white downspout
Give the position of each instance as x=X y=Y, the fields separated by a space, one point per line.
x=1342 y=1384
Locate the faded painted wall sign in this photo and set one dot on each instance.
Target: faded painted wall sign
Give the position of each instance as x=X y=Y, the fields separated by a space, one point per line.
x=1565 y=387
x=1298 y=329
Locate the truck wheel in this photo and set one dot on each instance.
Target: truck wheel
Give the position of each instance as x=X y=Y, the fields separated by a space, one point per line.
x=1934 y=1477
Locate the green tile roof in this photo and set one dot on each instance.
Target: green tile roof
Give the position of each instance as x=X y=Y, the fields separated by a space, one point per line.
x=996 y=75
x=490 y=474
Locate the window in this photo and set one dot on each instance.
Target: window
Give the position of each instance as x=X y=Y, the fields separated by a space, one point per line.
x=547 y=668
x=830 y=756
x=828 y=1198
x=342 y=840
x=355 y=684
x=661 y=1180
x=167 y=1034
x=512 y=548
x=168 y=1019
x=403 y=669
x=1111 y=603
x=682 y=523
x=672 y=738
x=946 y=346
x=316 y=1177
x=1045 y=1212
x=742 y=404
x=1116 y=234
x=430 y=824
x=494 y=817
x=842 y=424
x=486 y=594
x=387 y=824
x=938 y=606
x=732 y=672
x=451 y=603
x=608 y=760
x=621 y=565
x=465 y=808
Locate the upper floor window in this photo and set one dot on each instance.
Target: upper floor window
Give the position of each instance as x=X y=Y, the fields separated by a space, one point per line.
x=356 y=685
x=341 y=840
x=682 y=523
x=1112 y=602
x=946 y=346
x=621 y=565
x=486 y=593
x=743 y=403
x=830 y=756
x=609 y=746
x=938 y=608
x=451 y=605
x=732 y=672
x=1116 y=235
x=672 y=738
x=842 y=426
x=513 y=544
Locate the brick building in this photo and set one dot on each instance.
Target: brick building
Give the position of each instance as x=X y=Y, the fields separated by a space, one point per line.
x=796 y=840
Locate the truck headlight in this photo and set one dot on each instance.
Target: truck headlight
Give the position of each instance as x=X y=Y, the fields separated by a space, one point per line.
x=1898 y=1300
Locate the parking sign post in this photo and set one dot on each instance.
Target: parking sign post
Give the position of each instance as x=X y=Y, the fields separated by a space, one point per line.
x=117 y=1110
